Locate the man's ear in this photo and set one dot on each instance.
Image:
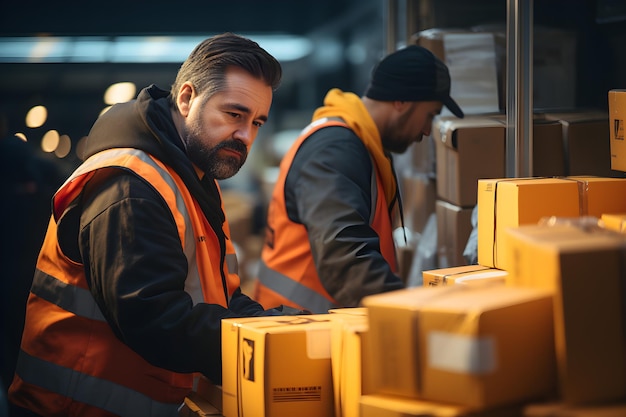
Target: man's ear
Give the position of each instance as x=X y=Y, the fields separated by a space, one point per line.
x=401 y=106
x=185 y=96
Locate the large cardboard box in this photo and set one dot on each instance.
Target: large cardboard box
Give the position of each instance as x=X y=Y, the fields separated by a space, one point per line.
x=510 y=202
x=377 y=405
x=454 y=225
x=277 y=366
x=617 y=119
x=348 y=339
x=586 y=142
x=467 y=149
x=584 y=268
x=464 y=275
x=464 y=345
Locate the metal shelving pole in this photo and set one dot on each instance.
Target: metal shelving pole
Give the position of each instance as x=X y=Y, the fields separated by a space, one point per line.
x=519 y=89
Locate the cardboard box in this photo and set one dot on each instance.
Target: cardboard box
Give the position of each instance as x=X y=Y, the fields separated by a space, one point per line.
x=348 y=339
x=511 y=202
x=454 y=225
x=617 y=119
x=390 y=406
x=467 y=149
x=548 y=150
x=464 y=275
x=598 y=195
x=586 y=142
x=584 y=268
x=277 y=366
x=464 y=345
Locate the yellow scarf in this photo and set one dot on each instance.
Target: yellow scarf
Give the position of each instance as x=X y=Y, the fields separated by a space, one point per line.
x=350 y=108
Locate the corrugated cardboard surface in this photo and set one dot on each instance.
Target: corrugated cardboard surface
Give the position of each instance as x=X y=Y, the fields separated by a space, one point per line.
x=464 y=275
x=465 y=345
x=585 y=270
x=282 y=363
x=511 y=202
x=586 y=140
x=467 y=149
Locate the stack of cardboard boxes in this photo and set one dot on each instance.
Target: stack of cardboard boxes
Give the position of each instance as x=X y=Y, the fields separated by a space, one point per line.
x=536 y=329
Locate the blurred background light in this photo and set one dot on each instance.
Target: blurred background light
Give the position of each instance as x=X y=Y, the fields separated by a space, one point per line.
x=120 y=93
x=36 y=116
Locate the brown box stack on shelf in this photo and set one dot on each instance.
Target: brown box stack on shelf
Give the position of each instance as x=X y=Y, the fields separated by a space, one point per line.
x=586 y=142
x=548 y=149
x=467 y=149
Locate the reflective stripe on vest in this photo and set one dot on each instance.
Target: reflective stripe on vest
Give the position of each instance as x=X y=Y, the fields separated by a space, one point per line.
x=69 y=297
x=292 y=290
x=88 y=389
x=103 y=159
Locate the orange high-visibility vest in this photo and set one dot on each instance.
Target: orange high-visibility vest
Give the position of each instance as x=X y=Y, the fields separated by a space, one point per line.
x=287 y=273
x=71 y=363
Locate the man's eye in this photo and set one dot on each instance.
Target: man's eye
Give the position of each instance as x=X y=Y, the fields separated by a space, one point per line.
x=235 y=115
x=258 y=124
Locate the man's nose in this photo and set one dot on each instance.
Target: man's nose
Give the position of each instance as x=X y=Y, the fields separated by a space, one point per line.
x=246 y=134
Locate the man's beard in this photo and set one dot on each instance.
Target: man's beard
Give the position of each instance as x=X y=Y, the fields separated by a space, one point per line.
x=209 y=160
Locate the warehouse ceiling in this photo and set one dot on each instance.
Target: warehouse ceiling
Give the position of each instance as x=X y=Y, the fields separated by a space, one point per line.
x=70 y=88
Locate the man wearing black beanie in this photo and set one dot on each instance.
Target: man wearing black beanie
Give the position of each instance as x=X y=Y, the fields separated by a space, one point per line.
x=329 y=230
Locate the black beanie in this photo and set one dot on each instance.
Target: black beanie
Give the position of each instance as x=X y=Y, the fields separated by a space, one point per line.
x=412 y=73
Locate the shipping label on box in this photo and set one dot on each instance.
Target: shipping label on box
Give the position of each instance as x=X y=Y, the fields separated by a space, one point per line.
x=511 y=202
x=277 y=366
x=617 y=119
x=584 y=268
x=464 y=275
